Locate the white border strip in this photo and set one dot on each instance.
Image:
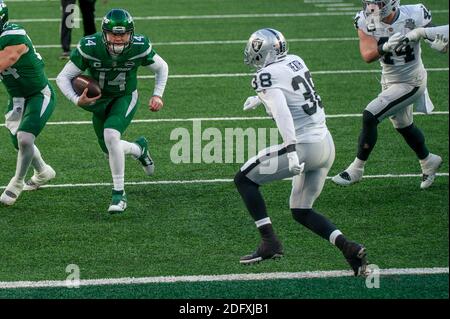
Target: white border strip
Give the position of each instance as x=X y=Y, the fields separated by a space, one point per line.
x=215 y=42
x=208 y=181
x=220 y=119
x=209 y=278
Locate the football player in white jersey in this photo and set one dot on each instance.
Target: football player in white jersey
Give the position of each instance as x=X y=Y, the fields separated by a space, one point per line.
x=284 y=85
x=381 y=26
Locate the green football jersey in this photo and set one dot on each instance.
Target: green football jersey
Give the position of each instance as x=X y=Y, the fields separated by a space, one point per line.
x=117 y=75
x=26 y=77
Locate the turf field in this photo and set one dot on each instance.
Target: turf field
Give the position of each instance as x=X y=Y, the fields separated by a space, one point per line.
x=188 y=219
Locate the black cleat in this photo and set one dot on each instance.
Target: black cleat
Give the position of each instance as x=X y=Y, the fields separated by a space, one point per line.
x=266 y=250
x=356 y=256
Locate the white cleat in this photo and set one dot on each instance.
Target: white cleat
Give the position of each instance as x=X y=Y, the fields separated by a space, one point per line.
x=40 y=179
x=429 y=169
x=348 y=177
x=118 y=202
x=11 y=193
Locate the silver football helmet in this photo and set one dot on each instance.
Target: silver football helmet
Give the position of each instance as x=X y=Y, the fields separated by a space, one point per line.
x=265 y=46
x=383 y=8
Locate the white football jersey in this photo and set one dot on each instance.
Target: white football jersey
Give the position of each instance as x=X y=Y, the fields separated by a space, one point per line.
x=405 y=66
x=293 y=78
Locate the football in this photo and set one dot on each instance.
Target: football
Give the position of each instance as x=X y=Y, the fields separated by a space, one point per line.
x=81 y=82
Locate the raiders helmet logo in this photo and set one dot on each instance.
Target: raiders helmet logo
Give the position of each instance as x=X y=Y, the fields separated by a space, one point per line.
x=257 y=44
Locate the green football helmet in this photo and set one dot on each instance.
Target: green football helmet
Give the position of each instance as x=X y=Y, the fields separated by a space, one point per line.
x=117 y=21
x=3 y=15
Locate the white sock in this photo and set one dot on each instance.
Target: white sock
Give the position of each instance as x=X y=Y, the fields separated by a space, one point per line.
x=263 y=222
x=25 y=155
x=116 y=158
x=357 y=163
x=37 y=161
x=334 y=235
x=131 y=148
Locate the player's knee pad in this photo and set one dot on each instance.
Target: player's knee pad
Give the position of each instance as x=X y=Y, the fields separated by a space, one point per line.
x=412 y=131
x=369 y=120
x=300 y=214
x=242 y=181
x=111 y=137
x=406 y=130
x=25 y=140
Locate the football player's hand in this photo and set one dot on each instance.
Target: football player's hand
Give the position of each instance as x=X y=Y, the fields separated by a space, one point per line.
x=415 y=35
x=412 y=36
x=251 y=103
x=84 y=100
x=155 y=103
x=393 y=42
x=294 y=165
x=440 y=43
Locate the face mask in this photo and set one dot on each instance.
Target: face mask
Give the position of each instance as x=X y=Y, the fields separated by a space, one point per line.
x=373 y=18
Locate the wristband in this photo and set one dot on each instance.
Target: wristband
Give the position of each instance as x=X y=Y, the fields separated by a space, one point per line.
x=381 y=52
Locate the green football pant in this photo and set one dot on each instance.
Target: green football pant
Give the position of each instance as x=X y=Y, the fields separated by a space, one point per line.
x=29 y=114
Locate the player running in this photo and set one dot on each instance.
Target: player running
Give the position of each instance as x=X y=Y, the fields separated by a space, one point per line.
x=31 y=103
x=382 y=25
x=284 y=84
x=112 y=57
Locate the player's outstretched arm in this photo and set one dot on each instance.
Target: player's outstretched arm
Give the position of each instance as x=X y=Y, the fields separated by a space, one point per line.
x=161 y=70
x=431 y=33
x=10 y=55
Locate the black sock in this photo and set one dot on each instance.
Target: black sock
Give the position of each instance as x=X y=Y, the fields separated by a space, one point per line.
x=315 y=222
x=368 y=136
x=267 y=232
x=251 y=196
x=340 y=242
x=415 y=139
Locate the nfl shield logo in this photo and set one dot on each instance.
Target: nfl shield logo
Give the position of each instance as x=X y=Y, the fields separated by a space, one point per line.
x=410 y=24
x=257 y=44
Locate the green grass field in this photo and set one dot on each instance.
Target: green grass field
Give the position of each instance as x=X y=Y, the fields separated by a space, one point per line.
x=174 y=227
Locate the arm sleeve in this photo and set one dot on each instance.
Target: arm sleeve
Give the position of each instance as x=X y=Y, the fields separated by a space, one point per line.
x=161 y=70
x=276 y=102
x=64 y=81
x=432 y=32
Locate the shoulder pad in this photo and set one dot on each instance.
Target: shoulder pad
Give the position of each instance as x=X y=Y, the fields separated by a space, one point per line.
x=419 y=13
x=13 y=29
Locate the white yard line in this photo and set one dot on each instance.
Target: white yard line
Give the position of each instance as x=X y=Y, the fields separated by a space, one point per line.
x=209 y=278
x=234 y=75
x=220 y=119
x=206 y=181
x=215 y=42
x=223 y=16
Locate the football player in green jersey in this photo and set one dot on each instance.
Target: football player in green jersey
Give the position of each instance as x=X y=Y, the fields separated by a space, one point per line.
x=31 y=103
x=112 y=57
